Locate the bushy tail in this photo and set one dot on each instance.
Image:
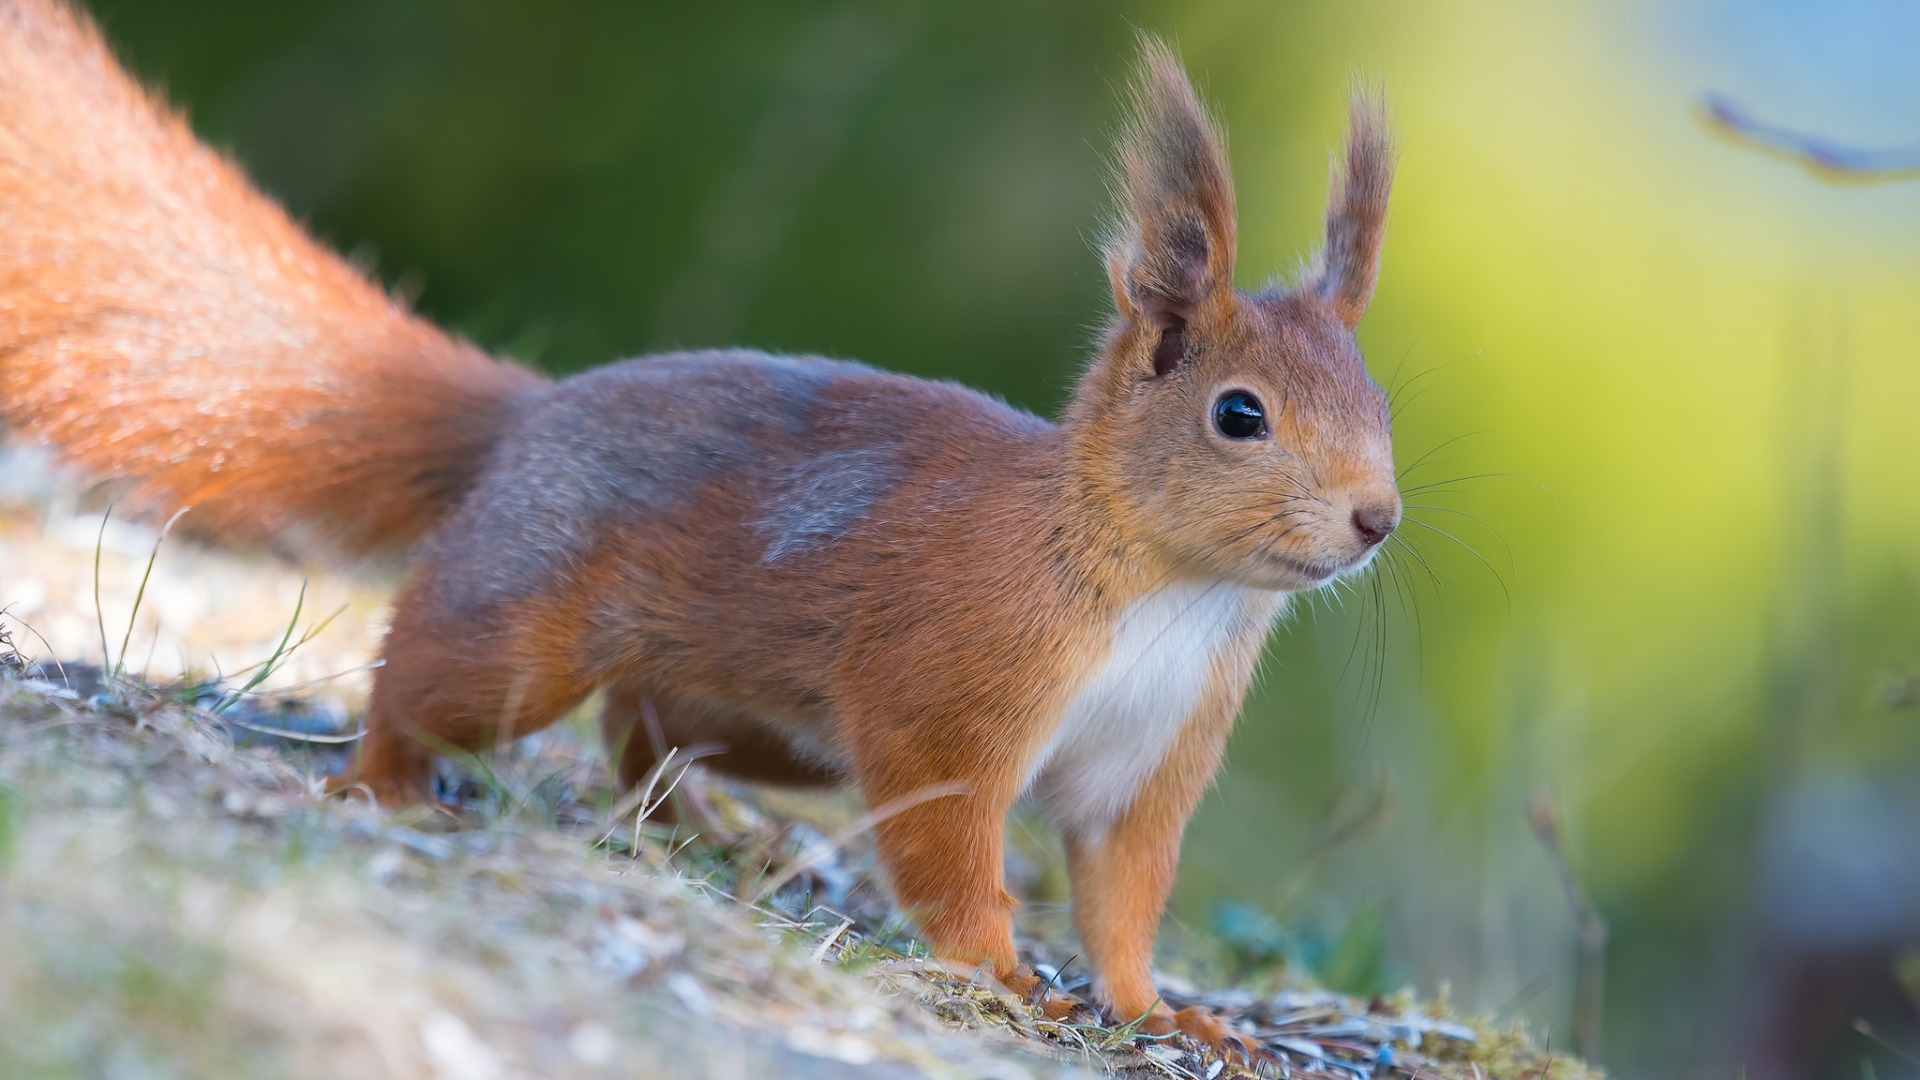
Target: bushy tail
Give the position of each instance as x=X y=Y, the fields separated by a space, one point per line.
x=164 y=324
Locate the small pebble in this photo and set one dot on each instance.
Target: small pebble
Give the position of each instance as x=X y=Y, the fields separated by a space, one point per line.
x=690 y=993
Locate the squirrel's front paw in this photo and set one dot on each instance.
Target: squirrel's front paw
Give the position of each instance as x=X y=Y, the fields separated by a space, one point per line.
x=1202 y=1026
x=1038 y=993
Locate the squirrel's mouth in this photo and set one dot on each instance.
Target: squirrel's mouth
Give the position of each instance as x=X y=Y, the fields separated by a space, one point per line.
x=1317 y=573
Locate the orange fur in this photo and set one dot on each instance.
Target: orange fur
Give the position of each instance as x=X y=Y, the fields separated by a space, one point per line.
x=831 y=572
x=166 y=325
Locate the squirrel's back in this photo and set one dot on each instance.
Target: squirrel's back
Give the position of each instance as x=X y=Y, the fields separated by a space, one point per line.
x=165 y=325
x=756 y=461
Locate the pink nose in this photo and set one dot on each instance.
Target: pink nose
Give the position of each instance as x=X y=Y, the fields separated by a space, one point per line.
x=1373 y=523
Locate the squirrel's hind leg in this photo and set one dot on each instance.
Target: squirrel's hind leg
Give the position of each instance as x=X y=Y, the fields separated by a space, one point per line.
x=641 y=726
x=462 y=683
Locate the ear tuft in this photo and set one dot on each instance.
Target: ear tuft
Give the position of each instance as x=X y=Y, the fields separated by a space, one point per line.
x=1173 y=243
x=1357 y=212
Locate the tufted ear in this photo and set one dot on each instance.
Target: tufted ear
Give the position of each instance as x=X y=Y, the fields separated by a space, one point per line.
x=1344 y=274
x=1173 y=243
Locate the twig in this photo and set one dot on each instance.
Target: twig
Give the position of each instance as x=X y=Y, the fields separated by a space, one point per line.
x=1824 y=157
x=1589 y=927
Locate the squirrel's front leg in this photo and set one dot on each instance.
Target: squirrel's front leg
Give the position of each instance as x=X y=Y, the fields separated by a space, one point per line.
x=944 y=858
x=941 y=838
x=1122 y=873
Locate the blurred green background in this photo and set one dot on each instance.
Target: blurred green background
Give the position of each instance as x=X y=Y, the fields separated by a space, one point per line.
x=1691 y=611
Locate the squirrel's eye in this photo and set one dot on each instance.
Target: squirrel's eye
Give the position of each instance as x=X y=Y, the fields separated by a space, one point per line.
x=1238 y=415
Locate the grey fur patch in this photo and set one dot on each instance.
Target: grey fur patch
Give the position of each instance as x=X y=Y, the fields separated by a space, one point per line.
x=639 y=436
x=820 y=500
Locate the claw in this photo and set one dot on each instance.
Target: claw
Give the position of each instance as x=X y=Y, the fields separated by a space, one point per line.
x=1038 y=993
x=1031 y=987
x=1080 y=1012
x=1202 y=1026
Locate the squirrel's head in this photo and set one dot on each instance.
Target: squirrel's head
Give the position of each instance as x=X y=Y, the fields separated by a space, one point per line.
x=1236 y=433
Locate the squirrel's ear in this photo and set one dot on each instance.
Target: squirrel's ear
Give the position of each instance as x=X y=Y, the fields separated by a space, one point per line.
x=1344 y=274
x=1173 y=243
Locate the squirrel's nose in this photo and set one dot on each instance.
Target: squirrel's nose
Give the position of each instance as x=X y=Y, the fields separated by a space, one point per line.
x=1373 y=523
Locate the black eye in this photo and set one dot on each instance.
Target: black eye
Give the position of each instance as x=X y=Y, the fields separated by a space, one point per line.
x=1238 y=415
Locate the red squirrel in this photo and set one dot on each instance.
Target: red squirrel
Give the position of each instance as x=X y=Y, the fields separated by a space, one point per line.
x=838 y=574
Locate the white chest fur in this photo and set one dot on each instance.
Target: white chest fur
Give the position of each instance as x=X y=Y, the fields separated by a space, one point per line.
x=1117 y=728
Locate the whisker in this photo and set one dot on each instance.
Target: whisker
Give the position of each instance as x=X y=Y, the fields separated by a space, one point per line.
x=1422 y=460
x=1393 y=381
x=1428 y=507
x=1471 y=550
x=1415 y=381
x=1393 y=416
x=1368 y=698
x=1359 y=627
x=1407 y=546
x=1437 y=484
x=1411 y=594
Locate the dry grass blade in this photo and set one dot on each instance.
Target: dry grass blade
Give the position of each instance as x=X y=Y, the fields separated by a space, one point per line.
x=6 y=639
x=119 y=667
x=1589 y=927
x=296 y=736
x=807 y=859
x=641 y=802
